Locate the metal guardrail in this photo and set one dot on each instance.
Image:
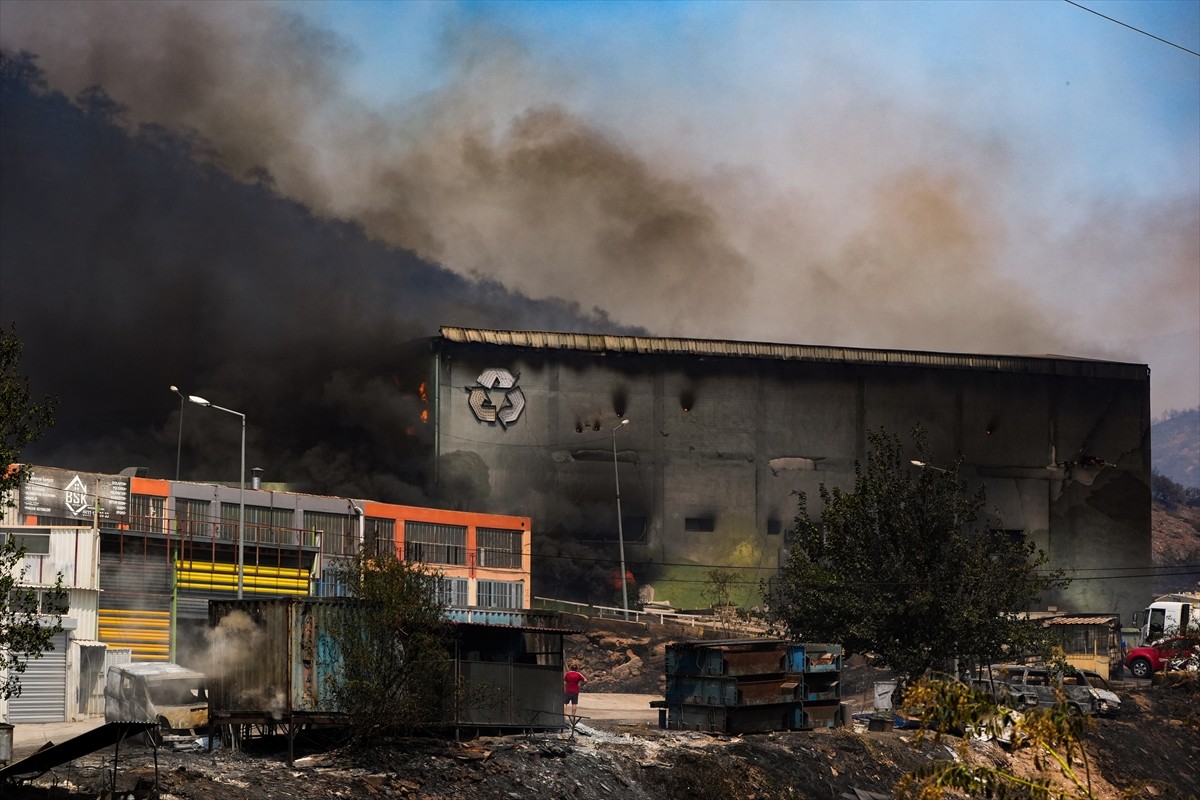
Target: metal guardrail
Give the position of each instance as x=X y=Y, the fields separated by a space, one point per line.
x=661 y=617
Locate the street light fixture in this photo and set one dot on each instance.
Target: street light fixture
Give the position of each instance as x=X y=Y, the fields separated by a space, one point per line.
x=620 y=525
x=241 y=539
x=179 y=447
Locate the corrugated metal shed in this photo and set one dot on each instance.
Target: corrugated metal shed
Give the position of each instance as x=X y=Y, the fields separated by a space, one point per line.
x=647 y=345
x=1108 y=619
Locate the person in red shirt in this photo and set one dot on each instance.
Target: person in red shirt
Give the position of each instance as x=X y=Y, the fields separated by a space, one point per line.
x=572 y=680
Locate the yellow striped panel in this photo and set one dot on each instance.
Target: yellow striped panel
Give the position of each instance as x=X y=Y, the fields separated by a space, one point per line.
x=207 y=576
x=146 y=633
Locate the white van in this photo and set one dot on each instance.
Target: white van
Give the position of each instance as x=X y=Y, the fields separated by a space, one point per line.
x=1169 y=615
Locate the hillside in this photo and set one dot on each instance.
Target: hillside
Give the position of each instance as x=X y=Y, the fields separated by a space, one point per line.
x=1175 y=534
x=1175 y=444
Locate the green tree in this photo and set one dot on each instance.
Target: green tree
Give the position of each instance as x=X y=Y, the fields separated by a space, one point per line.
x=394 y=645
x=29 y=617
x=901 y=567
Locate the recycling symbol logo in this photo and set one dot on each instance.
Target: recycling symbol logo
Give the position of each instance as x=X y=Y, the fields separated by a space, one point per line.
x=496 y=398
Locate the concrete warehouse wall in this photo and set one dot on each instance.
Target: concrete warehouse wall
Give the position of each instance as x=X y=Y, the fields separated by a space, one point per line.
x=1064 y=457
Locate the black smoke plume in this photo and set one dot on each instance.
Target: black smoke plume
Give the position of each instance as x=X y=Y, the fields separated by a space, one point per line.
x=129 y=263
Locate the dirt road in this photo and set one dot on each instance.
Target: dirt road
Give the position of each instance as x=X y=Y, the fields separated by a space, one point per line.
x=630 y=708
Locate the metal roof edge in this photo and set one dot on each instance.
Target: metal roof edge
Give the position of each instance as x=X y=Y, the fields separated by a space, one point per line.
x=648 y=345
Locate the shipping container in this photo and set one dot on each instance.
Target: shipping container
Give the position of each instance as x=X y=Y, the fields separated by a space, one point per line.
x=277 y=660
x=746 y=685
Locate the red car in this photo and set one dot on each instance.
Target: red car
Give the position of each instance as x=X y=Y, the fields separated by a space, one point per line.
x=1144 y=661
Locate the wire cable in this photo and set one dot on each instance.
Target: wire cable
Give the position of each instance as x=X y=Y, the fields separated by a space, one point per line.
x=1136 y=30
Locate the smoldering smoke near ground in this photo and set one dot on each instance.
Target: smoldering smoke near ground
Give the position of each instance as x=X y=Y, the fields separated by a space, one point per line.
x=235 y=641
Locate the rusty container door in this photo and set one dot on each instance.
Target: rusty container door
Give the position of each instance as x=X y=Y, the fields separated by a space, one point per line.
x=315 y=661
x=274 y=657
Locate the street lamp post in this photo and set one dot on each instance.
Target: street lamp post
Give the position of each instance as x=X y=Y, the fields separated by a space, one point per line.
x=179 y=447
x=620 y=524
x=241 y=538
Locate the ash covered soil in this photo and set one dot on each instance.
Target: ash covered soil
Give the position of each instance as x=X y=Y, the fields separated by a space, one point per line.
x=1151 y=750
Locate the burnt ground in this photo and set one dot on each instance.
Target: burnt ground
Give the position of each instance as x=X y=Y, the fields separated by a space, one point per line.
x=1150 y=751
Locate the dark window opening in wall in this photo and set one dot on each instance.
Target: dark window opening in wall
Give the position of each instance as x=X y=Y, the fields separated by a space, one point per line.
x=379 y=536
x=699 y=524
x=774 y=527
x=193 y=517
x=431 y=543
x=1014 y=535
x=633 y=530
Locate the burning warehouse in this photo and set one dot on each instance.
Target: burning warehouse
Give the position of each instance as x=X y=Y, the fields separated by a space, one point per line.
x=722 y=435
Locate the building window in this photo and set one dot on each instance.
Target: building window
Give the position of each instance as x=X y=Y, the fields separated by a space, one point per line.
x=430 y=543
x=337 y=534
x=229 y=522
x=148 y=513
x=699 y=524
x=380 y=537
x=774 y=527
x=263 y=524
x=499 y=548
x=192 y=516
x=36 y=542
x=453 y=592
x=23 y=600
x=333 y=583
x=54 y=603
x=1077 y=639
x=500 y=594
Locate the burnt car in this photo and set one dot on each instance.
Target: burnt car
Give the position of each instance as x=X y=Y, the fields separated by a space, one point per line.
x=1005 y=693
x=172 y=696
x=1108 y=704
x=1049 y=685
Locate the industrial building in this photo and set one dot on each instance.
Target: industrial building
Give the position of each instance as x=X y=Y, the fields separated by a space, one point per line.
x=141 y=558
x=702 y=445
x=723 y=435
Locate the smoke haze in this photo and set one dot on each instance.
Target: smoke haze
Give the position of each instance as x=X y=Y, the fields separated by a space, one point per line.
x=865 y=221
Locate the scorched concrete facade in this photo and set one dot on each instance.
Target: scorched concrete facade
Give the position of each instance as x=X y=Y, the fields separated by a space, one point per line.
x=723 y=435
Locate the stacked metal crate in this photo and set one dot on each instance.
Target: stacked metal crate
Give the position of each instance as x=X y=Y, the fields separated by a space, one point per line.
x=749 y=685
x=822 y=681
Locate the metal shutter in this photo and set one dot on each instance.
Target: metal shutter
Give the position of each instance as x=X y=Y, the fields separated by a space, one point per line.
x=43 y=687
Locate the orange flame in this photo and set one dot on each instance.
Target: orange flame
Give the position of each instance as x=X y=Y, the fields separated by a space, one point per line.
x=424 y=400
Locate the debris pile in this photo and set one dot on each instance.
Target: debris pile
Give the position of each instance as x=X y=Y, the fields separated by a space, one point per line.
x=617 y=663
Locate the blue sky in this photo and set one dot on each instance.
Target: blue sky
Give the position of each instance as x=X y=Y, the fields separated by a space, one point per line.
x=1018 y=177
x=1026 y=63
